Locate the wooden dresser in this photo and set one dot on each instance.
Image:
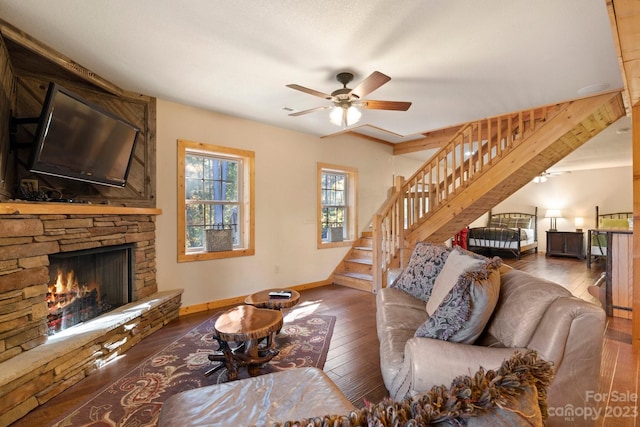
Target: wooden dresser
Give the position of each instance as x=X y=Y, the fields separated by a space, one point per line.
x=565 y=243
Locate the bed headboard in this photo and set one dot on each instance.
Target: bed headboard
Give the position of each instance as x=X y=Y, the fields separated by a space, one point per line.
x=515 y=220
x=616 y=220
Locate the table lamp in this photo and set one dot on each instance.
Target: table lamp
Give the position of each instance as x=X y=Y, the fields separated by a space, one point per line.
x=579 y=223
x=553 y=214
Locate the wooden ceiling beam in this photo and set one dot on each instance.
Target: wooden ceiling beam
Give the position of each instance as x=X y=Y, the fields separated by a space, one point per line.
x=624 y=16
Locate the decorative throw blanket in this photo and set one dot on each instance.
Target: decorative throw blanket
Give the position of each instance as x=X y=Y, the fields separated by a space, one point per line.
x=466 y=398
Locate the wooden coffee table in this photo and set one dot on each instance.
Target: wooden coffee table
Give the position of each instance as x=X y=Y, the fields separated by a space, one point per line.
x=263 y=300
x=245 y=325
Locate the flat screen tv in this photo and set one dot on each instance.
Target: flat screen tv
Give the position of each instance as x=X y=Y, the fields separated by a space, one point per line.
x=77 y=139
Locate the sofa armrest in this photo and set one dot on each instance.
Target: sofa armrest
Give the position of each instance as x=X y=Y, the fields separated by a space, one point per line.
x=429 y=362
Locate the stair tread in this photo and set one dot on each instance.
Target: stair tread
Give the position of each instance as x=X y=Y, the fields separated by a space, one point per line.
x=363 y=248
x=355 y=275
x=367 y=261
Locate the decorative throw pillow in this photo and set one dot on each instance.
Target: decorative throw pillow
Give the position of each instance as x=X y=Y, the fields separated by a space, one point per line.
x=614 y=223
x=499 y=222
x=425 y=264
x=520 y=222
x=466 y=309
x=457 y=263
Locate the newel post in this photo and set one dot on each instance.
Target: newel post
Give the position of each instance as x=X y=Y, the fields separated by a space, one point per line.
x=377 y=271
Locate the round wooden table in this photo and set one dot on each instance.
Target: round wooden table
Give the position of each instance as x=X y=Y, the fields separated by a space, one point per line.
x=245 y=325
x=263 y=300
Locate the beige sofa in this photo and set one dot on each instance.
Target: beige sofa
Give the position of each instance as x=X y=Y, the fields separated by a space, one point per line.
x=531 y=313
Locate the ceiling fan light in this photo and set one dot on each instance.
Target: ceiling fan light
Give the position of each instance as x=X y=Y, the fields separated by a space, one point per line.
x=539 y=179
x=341 y=116
x=353 y=116
x=336 y=116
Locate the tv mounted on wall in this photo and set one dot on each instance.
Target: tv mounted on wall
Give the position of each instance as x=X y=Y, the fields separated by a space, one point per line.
x=79 y=140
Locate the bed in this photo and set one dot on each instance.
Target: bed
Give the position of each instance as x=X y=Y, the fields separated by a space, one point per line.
x=597 y=237
x=514 y=232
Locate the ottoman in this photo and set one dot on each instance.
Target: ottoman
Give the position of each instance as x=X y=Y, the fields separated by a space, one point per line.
x=279 y=396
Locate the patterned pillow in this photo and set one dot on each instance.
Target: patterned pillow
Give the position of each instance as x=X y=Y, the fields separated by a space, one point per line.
x=425 y=264
x=520 y=222
x=465 y=311
x=457 y=263
x=499 y=222
x=614 y=223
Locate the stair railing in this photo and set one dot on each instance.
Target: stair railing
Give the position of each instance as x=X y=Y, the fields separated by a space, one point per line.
x=475 y=148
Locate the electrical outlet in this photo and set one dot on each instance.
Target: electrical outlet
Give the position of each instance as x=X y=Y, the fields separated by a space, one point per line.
x=30 y=185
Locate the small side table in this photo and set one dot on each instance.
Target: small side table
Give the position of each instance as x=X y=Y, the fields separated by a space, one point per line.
x=263 y=300
x=247 y=325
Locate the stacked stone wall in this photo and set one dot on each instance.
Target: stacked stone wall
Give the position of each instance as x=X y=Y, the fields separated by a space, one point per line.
x=26 y=241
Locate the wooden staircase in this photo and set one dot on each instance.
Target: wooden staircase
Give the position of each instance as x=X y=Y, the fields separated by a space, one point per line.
x=355 y=269
x=483 y=164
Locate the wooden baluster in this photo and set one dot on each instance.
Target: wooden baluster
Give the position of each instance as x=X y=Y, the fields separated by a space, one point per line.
x=520 y=125
x=416 y=200
x=499 y=138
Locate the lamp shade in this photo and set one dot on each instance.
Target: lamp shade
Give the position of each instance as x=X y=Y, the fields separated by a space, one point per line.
x=579 y=221
x=553 y=213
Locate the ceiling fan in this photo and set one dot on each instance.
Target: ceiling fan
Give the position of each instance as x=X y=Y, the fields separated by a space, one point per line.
x=347 y=101
x=546 y=175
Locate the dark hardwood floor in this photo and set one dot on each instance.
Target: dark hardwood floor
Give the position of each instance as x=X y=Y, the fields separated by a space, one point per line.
x=353 y=359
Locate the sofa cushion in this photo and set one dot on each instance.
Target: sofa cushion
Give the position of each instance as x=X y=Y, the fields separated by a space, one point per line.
x=524 y=299
x=467 y=308
x=426 y=262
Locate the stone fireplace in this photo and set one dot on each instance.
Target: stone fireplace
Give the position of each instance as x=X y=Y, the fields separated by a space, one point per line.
x=37 y=240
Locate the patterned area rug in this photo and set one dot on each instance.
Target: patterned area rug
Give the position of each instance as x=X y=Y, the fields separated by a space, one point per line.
x=136 y=398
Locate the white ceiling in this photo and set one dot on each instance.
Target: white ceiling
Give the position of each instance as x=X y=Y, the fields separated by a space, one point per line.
x=455 y=60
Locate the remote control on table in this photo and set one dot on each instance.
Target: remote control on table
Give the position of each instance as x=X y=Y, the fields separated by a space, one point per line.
x=280 y=294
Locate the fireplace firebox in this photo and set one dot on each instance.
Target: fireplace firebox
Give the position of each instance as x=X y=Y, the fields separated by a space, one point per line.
x=85 y=284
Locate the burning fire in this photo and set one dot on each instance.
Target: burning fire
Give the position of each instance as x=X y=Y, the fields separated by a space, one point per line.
x=66 y=288
x=68 y=299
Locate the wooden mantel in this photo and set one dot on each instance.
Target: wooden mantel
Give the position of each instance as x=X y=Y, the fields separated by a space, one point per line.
x=30 y=208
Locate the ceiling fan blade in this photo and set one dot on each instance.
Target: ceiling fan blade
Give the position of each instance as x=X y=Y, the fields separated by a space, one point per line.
x=311 y=110
x=371 y=83
x=310 y=91
x=385 y=105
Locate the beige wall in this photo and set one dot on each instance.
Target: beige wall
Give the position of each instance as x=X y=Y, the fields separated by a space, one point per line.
x=286 y=252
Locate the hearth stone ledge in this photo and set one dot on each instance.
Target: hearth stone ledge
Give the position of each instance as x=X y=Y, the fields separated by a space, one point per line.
x=33 y=377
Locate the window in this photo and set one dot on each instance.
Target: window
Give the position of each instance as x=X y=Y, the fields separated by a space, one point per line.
x=215 y=195
x=337 y=190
